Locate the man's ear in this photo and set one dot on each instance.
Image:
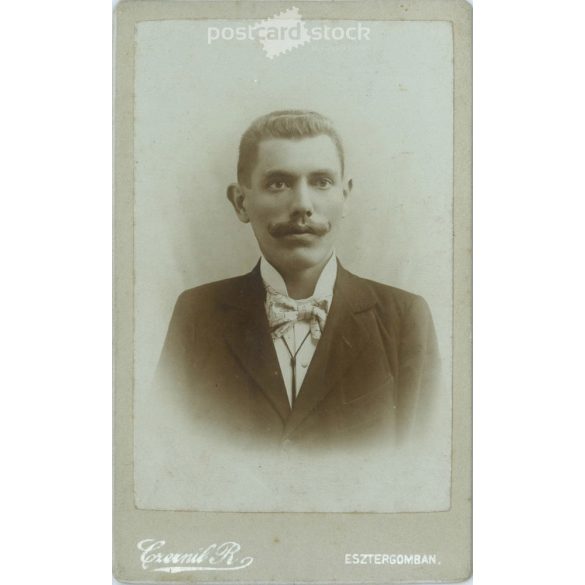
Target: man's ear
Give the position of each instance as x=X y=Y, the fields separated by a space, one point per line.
x=346 y=191
x=348 y=188
x=237 y=197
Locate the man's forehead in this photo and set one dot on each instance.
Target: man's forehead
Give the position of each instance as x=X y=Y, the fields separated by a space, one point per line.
x=298 y=154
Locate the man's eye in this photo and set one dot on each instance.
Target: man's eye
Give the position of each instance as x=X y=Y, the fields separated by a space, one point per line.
x=277 y=185
x=323 y=183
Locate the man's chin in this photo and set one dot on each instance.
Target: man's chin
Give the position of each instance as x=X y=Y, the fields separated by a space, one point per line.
x=300 y=257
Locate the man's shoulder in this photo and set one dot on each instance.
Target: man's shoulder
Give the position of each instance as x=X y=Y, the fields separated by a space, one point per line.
x=210 y=294
x=389 y=302
x=215 y=287
x=382 y=294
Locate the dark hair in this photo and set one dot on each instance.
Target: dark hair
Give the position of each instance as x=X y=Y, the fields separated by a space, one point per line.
x=291 y=124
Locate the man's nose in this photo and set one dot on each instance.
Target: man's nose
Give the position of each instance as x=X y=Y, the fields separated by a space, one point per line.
x=302 y=201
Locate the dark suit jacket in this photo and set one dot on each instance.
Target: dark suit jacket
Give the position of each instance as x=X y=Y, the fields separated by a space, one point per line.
x=373 y=372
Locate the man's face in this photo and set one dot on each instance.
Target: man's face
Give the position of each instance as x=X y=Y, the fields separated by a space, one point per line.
x=295 y=201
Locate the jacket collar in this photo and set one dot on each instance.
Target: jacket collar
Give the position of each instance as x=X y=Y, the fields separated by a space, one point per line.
x=248 y=336
x=250 y=291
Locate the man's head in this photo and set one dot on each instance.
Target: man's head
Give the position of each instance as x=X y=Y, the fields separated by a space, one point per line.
x=291 y=187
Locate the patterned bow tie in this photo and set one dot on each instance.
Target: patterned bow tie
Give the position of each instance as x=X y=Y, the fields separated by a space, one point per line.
x=283 y=312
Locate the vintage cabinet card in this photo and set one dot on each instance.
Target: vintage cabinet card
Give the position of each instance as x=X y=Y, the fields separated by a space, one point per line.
x=292 y=291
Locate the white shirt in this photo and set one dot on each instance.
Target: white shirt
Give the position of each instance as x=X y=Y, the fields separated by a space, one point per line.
x=299 y=330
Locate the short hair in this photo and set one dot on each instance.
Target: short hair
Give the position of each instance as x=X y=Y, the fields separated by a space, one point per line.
x=290 y=124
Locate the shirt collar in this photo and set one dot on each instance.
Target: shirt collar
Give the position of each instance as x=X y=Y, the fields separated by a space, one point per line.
x=324 y=287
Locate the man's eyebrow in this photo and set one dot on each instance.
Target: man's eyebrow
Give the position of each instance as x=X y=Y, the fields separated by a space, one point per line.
x=280 y=173
x=324 y=172
x=277 y=173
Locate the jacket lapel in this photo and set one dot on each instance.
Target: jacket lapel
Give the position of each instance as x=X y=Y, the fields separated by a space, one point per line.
x=248 y=336
x=345 y=335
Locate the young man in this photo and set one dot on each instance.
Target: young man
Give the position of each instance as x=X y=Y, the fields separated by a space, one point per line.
x=299 y=350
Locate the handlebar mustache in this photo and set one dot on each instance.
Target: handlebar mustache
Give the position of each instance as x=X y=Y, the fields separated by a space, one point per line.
x=280 y=230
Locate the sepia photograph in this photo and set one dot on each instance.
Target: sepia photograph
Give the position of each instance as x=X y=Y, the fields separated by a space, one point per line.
x=274 y=343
